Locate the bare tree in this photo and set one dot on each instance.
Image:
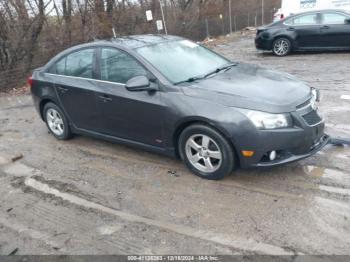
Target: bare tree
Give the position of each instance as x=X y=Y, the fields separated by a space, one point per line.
x=31 y=31
x=67 y=17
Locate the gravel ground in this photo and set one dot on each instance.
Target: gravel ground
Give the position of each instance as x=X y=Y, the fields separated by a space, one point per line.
x=87 y=196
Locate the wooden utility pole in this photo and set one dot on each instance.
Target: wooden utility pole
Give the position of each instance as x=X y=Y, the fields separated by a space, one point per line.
x=230 y=14
x=262 y=12
x=162 y=11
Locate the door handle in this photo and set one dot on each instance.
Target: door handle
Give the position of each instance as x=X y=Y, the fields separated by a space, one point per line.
x=325 y=27
x=291 y=29
x=105 y=98
x=62 y=89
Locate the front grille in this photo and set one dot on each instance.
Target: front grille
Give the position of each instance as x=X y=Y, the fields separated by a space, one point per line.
x=312 y=118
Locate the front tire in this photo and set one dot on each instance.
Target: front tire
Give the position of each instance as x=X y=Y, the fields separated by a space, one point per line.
x=56 y=122
x=206 y=152
x=282 y=46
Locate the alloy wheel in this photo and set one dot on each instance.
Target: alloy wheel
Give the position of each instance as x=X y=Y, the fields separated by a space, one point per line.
x=203 y=153
x=55 y=121
x=281 y=47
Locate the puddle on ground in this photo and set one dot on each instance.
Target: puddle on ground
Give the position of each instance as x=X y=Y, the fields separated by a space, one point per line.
x=315 y=171
x=341 y=179
x=326 y=173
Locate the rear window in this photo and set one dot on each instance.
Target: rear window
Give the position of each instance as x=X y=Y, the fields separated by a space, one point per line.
x=334 y=18
x=78 y=64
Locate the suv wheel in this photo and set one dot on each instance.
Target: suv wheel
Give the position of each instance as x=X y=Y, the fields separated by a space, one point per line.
x=206 y=152
x=56 y=121
x=282 y=46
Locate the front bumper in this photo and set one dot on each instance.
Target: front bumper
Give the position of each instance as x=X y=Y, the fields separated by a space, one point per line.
x=262 y=43
x=293 y=158
x=291 y=144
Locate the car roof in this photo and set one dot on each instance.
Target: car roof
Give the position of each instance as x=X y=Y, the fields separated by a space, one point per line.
x=136 y=41
x=125 y=42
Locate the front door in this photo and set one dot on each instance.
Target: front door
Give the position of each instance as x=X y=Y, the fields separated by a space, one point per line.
x=136 y=116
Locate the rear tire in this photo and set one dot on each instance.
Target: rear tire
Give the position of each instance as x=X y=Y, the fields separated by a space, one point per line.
x=206 y=152
x=282 y=46
x=56 y=121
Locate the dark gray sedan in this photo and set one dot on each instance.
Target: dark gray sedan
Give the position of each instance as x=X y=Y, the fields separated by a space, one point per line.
x=173 y=96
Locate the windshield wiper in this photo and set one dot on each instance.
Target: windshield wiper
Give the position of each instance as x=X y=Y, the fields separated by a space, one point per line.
x=223 y=68
x=190 y=80
x=195 y=78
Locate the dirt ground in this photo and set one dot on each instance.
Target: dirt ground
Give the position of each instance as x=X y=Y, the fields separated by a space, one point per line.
x=87 y=196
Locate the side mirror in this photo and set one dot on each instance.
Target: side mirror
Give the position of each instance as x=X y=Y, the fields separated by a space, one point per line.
x=138 y=83
x=347 y=21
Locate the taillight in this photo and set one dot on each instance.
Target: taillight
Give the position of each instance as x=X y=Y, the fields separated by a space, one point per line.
x=30 y=81
x=282 y=16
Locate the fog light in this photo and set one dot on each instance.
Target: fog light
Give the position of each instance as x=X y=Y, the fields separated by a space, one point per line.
x=273 y=155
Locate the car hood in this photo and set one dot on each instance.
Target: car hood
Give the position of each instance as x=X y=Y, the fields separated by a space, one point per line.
x=252 y=87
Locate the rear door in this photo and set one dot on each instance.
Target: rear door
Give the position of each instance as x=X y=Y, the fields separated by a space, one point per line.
x=75 y=87
x=335 y=31
x=307 y=30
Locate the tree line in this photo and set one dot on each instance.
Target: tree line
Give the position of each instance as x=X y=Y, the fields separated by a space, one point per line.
x=32 y=31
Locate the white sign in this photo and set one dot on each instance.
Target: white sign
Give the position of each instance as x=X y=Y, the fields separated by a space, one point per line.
x=149 y=15
x=159 y=25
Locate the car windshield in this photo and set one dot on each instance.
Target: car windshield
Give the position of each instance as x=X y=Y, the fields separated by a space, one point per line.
x=182 y=60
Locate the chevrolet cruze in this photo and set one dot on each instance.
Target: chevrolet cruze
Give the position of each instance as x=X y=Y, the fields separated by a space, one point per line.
x=173 y=96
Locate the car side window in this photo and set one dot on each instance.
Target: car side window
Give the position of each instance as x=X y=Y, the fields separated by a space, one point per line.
x=118 y=66
x=334 y=19
x=80 y=63
x=60 y=67
x=309 y=19
x=289 y=21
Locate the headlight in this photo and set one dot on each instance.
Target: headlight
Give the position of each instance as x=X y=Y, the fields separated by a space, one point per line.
x=315 y=98
x=316 y=95
x=264 y=120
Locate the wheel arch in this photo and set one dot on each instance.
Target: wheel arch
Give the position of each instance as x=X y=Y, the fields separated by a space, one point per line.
x=292 y=41
x=183 y=125
x=42 y=104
